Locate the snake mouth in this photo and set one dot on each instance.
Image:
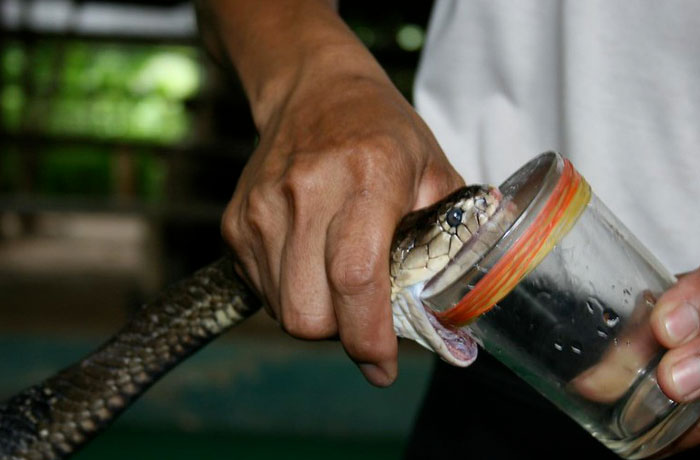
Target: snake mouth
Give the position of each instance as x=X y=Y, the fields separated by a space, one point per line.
x=414 y=321
x=461 y=346
x=434 y=301
x=418 y=319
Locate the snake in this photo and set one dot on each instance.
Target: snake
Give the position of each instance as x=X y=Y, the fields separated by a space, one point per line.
x=55 y=418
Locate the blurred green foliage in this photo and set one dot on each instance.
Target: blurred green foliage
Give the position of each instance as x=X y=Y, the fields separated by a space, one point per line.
x=127 y=93
x=82 y=170
x=104 y=91
x=12 y=100
x=112 y=91
x=410 y=37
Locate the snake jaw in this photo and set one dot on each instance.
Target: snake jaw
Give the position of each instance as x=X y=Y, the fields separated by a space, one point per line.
x=426 y=243
x=414 y=321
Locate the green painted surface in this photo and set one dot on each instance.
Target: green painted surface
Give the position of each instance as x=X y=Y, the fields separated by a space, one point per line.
x=247 y=385
x=122 y=444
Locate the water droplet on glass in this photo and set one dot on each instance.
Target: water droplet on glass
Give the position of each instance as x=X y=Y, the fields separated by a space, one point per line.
x=593 y=304
x=649 y=299
x=589 y=308
x=576 y=348
x=601 y=333
x=558 y=346
x=611 y=318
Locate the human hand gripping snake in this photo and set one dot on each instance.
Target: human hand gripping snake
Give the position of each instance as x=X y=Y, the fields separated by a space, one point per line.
x=55 y=418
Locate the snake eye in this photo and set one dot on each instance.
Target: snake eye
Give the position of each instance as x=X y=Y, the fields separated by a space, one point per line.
x=454 y=217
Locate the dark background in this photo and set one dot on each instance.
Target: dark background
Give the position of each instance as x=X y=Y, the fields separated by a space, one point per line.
x=120 y=144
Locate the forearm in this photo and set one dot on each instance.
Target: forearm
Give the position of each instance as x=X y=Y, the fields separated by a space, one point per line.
x=275 y=44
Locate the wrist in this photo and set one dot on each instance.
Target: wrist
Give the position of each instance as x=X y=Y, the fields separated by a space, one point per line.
x=319 y=73
x=281 y=46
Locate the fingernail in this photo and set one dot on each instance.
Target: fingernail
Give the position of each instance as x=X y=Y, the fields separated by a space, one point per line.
x=686 y=375
x=376 y=375
x=681 y=322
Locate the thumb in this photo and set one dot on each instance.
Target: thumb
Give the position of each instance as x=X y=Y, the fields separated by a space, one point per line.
x=437 y=182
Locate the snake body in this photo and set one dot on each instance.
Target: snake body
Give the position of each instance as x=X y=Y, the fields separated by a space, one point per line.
x=55 y=418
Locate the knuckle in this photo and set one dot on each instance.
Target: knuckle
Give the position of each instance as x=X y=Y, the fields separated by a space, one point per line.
x=302 y=172
x=366 y=160
x=303 y=180
x=228 y=225
x=230 y=228
x=377 y=145
x=258 y=208
x=380 y=162
x=355 y=274
x=308 y=326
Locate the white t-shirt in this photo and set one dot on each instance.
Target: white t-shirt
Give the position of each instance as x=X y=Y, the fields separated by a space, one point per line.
x=612 y=85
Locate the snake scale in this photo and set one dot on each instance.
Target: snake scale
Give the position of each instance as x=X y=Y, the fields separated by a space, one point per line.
x=55 y=418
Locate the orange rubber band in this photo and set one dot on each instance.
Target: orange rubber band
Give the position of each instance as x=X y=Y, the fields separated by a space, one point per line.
x=567 y=201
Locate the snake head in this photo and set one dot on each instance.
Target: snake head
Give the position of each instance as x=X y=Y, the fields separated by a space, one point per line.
x=425 y=243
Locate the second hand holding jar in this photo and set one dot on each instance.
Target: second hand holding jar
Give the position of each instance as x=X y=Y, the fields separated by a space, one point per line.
x=563 y=298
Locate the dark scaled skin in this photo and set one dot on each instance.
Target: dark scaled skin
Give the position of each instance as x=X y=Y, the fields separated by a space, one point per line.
x=55 y=418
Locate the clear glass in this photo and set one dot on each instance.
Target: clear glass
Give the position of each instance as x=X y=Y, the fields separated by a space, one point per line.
x=577 y=326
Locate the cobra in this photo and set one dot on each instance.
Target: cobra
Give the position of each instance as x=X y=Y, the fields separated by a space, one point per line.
x=55 y=418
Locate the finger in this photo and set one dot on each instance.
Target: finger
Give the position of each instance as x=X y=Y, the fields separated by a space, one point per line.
x=306 y=307
x=357 y=262
x=676 y=316
x=436 y=183
x=232 y=234
x=264 y=220
x=618 y=368
x=690 y=438
x=678 y=373
x=684 y=274
x=268 y=282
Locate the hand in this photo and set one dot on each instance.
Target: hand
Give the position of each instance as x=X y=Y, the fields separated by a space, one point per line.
x=342 y=157
x=675 y=322
x=315 y=210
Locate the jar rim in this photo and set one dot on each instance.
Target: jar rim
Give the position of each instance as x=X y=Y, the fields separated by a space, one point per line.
x=543 y=199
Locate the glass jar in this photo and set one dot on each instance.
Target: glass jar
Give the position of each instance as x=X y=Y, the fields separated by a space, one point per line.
x=563 y=298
